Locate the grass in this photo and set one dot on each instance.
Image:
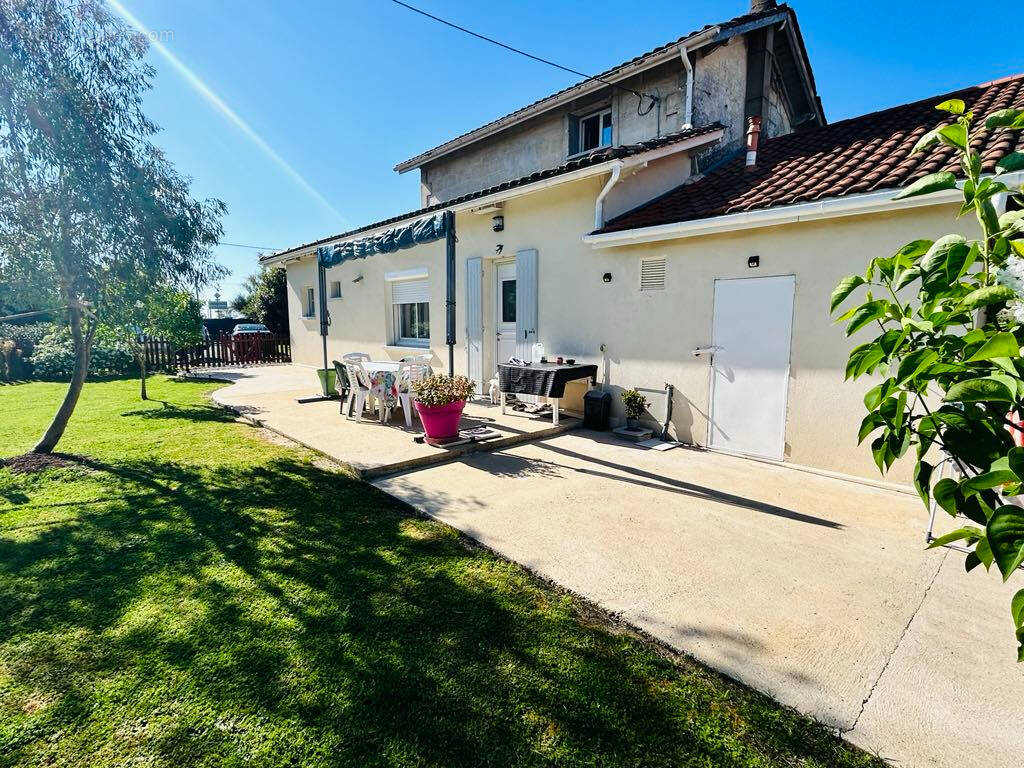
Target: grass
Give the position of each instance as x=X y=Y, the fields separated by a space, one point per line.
x=194 y=594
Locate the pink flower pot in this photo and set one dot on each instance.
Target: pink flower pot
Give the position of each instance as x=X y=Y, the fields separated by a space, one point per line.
x=440 y=422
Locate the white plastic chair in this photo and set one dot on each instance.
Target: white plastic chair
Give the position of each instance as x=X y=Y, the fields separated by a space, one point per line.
x=359 y=387
x=356 y=356
x=408 y=374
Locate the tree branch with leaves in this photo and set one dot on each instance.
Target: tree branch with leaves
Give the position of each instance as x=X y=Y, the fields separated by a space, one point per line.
x=948 y=319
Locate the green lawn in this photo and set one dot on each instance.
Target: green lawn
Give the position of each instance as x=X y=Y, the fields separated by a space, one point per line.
x=194 y=594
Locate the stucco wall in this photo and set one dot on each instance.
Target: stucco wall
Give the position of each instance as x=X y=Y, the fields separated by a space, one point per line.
x=361 y=318
x=519 y=151
x=543 y=142
x=642 y=184
x=777 y=120
x=648 y=336
x=719 y=94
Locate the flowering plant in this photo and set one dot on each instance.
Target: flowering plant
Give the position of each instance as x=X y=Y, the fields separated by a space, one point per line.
x=442 y=390
x=949 y=365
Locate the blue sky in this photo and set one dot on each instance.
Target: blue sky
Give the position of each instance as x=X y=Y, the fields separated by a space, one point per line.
x=341 y=91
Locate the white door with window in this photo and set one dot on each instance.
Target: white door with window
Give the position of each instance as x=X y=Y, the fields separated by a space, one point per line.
x=752 y=334
x=505 y=307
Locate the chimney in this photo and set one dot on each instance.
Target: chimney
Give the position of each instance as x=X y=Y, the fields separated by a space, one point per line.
x=757 y=6
x=753 y=132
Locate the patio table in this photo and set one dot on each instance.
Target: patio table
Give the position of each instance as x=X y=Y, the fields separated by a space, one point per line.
x=383 y=381
x=546 y=379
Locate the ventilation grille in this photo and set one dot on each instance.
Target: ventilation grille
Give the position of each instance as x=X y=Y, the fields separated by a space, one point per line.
x=652 y=274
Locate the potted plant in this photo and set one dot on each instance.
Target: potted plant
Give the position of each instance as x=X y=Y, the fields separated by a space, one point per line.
x=439 y=402
x=635 y=405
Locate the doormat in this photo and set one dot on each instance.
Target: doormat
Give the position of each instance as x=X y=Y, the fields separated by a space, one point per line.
x=466 y=436
x=657 y=444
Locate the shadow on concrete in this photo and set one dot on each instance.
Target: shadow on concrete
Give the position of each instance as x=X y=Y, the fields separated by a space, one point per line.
x=518 y=466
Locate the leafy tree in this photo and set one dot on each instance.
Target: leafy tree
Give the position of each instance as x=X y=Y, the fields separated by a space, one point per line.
x=91 y=212
x=166 y=314
x=268 y=298
x=949 y=359
x=239 y=303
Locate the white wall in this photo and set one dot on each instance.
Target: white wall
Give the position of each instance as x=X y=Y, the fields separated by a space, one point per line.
x=648 y=336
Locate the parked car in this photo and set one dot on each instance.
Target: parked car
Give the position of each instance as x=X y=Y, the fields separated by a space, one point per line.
x=249 y=328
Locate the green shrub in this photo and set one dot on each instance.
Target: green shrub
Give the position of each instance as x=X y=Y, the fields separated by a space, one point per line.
x=54 y=357
x=634 y=403
x=17 y=343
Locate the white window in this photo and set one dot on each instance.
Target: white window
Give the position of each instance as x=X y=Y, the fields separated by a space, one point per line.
x=309 y=302
x=335 y=291
x=410 y=299
x=594 y=131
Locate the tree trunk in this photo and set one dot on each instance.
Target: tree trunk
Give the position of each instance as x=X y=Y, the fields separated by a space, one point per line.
x=141 y=355
x=82 y=342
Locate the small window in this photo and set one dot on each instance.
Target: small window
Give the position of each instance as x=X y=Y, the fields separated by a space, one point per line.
x=335 y=292
x=652 y=274
x=309 y=303
x=411 y=308
x=594 y=131
x=508 y=301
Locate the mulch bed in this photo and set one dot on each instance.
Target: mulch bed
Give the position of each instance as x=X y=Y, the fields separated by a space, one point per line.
x=30 y=462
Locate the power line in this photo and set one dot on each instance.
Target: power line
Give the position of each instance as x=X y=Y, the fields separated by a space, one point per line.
x=254 y=247
x=654 y=99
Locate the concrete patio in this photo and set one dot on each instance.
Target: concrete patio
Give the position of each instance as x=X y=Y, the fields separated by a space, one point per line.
x=267 y=395
x=814 y=590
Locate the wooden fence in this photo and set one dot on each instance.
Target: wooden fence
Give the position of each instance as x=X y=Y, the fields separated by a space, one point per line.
x=224 y=350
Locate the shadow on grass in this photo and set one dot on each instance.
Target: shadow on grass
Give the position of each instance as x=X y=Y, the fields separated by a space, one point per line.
x=285 y=614
x=169 y=410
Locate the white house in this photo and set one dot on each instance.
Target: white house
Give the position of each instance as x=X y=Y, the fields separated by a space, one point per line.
x=627 y=225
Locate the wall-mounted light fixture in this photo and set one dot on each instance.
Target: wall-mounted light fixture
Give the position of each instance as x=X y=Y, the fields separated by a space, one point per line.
x=753 y=261
x=607 y=277
x=498 y=223
x=358 y=279
x=499 y=248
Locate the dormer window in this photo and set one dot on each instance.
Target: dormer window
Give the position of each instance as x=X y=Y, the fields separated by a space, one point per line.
x=591 y=132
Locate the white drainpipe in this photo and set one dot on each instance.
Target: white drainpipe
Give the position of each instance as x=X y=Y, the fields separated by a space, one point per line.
x=688 y=107
x=599 y=203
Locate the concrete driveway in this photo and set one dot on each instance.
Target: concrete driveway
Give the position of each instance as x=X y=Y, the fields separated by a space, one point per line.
x=814 y=590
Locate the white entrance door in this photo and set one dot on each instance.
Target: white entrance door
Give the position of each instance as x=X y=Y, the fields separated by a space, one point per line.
x=505 y=308
x=753 y=324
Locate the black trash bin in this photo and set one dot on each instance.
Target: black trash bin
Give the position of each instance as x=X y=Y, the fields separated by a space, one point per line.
x=597 y=409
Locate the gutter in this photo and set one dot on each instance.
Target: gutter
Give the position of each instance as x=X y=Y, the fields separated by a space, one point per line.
x=692 y=44
x=852 y=205
x=688 y=107
x=613 y=179
x=873 y=202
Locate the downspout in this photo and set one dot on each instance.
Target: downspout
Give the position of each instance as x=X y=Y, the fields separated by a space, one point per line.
x=449 y=299
x=684 y=53
x=613 y=179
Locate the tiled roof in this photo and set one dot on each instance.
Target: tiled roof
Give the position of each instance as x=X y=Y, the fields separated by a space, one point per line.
x=862 y=154
x=511 y=117
x=596 y=157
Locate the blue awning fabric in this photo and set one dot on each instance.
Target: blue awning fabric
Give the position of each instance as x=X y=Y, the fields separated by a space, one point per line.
x=425 y=230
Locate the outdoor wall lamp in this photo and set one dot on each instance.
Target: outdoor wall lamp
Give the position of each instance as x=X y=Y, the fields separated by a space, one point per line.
x=607 y=277
x=357 y=279
x=753 y=261
x=498 y=223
